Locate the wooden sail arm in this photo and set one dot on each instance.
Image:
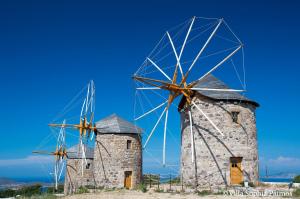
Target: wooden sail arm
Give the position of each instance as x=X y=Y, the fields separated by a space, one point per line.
x=166 y=86
x=192 y=84
x=43 y=152
x=183 y=81
x=65 y=125
x=175 y=74
x=151 y=81
x=77 y=126
x=55 y=153
x=88 y=127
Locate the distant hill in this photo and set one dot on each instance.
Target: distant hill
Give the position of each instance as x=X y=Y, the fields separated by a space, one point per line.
x=282 y=175
x=285 y=175
x=6 y=181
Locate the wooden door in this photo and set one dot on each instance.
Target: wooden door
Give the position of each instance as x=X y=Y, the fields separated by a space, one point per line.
x=127 y=180
x=236 y=172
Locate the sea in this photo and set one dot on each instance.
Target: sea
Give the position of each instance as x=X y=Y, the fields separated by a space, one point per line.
x=30 y=180
x=287 y=180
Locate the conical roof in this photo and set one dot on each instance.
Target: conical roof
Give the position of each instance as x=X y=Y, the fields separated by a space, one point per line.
x=211 y=81
x=115 y=124
x=75 y=152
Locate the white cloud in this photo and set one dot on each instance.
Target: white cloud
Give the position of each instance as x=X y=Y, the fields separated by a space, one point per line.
x=285 y=161
x=29 y=160
x=280 y=164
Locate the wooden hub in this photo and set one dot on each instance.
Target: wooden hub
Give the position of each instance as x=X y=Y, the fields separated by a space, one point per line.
x=174 y=89
x=84 y=127
x=60 y=153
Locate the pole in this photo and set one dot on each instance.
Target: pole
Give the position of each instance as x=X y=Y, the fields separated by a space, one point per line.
x=150 y=180
x=170 y=181
x=165 y=137
x=192 y=134
x=181 y=183
x=158 y=181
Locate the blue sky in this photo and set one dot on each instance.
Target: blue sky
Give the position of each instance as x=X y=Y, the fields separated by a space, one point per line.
x=50 y=49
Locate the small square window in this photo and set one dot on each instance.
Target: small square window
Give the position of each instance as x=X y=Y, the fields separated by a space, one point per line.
x=88 y=165
x=235 y=116
x=234 y=165
x=129 y=144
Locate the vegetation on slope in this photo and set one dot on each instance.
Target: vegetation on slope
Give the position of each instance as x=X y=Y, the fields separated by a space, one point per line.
x=28 y=191
x=296 y=179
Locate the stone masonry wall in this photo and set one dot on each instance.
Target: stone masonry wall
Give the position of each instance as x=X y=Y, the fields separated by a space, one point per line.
x=75 y=178
x=112 y=159
x=211 y=167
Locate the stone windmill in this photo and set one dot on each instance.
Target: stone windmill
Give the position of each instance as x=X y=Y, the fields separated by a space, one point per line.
x=114 y=162
x=117 y=153
x=225 y=160
x=173 y=73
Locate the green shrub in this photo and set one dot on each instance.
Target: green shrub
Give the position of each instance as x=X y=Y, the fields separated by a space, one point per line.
x=174 y=180
x=30 y=190
x=100 y=187
x=50 y=196
x=296 y=193
x=220 y=192
x=90 y=186
x=109 y=189
x=7 y=193
x=45 y=196
x=142 y=187
x=82 y=190
x=60 y=189
x=296 y=179
x=250 y=184
x=204 y=193
x=159 y=190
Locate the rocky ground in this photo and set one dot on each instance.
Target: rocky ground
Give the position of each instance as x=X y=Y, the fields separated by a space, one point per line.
x=133 y=194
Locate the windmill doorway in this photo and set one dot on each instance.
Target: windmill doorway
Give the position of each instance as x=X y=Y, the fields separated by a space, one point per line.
x=236 y=172
x=127 y=180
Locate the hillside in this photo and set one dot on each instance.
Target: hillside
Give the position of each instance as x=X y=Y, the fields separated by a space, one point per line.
x=6 y=181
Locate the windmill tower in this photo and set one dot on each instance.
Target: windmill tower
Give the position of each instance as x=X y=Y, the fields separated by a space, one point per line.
x=117 y=154
x=224 y=160
x=178 y=72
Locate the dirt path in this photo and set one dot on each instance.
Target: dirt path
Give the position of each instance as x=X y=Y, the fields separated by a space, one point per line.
x=125 y=194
